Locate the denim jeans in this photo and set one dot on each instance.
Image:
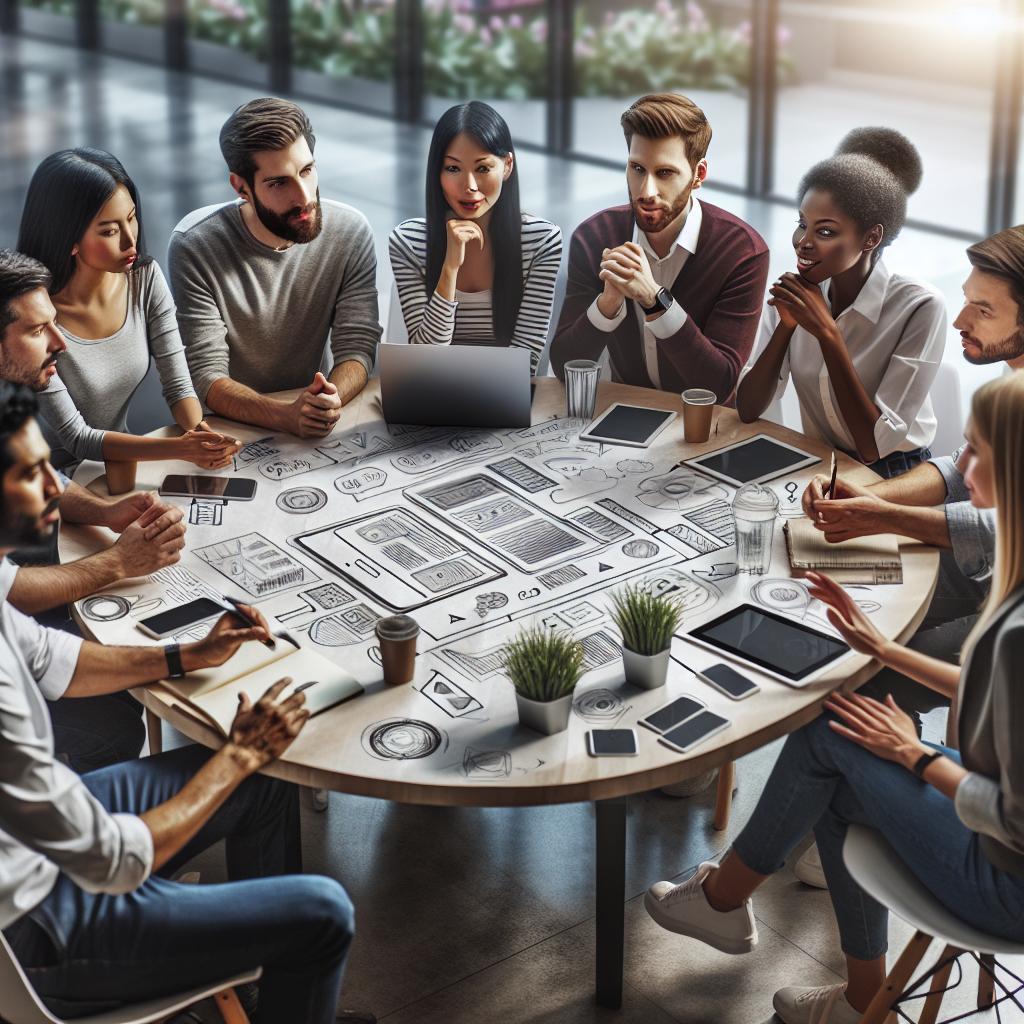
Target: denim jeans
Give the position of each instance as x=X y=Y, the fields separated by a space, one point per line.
x=85 y=953
x=898 y=463
x=825 y=781
x=95 y=732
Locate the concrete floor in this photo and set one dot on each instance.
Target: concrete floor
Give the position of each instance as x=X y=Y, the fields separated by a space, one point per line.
x=464 y=915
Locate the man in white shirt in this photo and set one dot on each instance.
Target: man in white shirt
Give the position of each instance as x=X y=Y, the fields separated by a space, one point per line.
x=80 y=905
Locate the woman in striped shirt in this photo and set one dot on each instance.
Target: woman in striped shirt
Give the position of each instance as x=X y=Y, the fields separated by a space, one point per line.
x=476 y=270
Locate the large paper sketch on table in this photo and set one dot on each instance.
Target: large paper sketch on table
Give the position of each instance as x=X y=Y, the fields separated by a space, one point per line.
x=342 y=629
x=302 y=500
x=252 y=452
x=257 y=566
x=285 y=465
x=679 y=489
x=449 y=696
x=600 y=707
x=403 y=739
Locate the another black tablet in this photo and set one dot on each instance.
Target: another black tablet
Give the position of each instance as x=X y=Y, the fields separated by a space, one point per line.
x=755 y=460
x=631 y=425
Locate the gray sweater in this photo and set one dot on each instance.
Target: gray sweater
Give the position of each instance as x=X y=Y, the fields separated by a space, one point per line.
x=95 y=380
x=972 y=531
x=263 y=317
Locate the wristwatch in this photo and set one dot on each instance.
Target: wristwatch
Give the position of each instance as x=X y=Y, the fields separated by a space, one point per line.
x=662 y=300
x=172 y=652
x=924 y=760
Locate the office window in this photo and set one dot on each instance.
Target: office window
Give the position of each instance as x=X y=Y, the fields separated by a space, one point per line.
x=229 y=38
x=134 y=28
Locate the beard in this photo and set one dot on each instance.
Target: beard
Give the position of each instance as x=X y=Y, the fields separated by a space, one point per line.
x=36 y=380
x=1009 y=348
x=300 y=233
x=665 y=215
x=24 y=532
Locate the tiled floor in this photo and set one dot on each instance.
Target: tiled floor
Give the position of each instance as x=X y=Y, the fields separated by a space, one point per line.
x=464 y=915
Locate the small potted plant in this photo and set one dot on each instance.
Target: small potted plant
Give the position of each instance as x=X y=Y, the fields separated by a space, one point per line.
x=646 y=622
x=544 y=666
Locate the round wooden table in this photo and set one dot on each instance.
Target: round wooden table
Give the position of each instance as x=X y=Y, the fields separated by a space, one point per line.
x=476 y=533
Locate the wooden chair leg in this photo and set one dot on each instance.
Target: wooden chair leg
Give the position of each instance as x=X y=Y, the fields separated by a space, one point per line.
x=986 y=980
x=726 y=778
x=155 y=734
x=230 y=1008
x=899 y=976
x=930 y=1012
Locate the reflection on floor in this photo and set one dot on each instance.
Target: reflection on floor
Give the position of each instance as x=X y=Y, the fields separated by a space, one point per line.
x=464 y=915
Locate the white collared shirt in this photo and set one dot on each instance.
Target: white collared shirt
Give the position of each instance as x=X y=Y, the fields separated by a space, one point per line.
x=664 y=271
x=49 y=821
x=895 y=332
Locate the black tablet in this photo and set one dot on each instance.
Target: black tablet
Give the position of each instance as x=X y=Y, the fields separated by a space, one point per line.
x=784 y=648
x=631 y=425
x=752 y=461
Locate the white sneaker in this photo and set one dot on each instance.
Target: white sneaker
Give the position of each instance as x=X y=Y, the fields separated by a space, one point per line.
x=825 y=1005
x=808 y=868
x=683 y=908
x=321 y=799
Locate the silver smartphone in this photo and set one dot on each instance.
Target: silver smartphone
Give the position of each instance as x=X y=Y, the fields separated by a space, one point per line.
x=694 y=731
x=728 y=681
x=172 y=621
x=228 y=488
x=612 y=743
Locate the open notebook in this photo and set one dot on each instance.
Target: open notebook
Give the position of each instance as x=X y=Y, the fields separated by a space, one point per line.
x=866 y=560
x=213 y=692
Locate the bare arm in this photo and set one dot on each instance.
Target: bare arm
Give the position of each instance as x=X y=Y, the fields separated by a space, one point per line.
x=187 y=413
x=349 y=378
x=202 y=448
x=923 y=485
x=313 y=414
x=758 y=387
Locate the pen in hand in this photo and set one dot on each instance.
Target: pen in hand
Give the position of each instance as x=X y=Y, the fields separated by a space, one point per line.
x=238 y=609
x=830 y=491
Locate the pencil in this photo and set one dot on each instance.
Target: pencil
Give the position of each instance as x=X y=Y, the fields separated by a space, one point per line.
x=831 y=489
x=237 y=609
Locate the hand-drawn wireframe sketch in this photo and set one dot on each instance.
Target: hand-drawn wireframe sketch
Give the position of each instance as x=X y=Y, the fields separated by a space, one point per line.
x=723 y=571
x=257 y=566
x=480 y=665
x=394 y=556
x=521 y=475
x=634 y=466
x=569 y=426
x=599 y=649
x=449 y=496
x=292 y=615
x=588 y=481
x=181 y=585
x=373 y=653
x=302 y=500
x=601 y=707
x=792 y=492
x=579 y=614
x=781 y=595
x=486 y=765
x=640 y=548
x=341 y=629
x=715 y=518
x=449 y=696
x=425 y=459
x=489 y=603
x=329 y=596
x=561 y=576
x=678 y=489
x=694 y=539
x=206 y=513
x=868 y=606
x=105 y=607
x=692 y=594
x=361 y=483
x=285 y=466
x=194 y=633
x=492 y=514
x=600 y=525
x=358 y=439
x=568 y=466
x=252 y=452
x=403 y=739
x=630 y=517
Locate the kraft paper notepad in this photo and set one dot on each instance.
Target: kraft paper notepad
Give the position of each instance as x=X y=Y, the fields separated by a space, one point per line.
x=865 y=560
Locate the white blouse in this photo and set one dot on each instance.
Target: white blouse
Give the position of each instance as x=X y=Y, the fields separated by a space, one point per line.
x=895 y=332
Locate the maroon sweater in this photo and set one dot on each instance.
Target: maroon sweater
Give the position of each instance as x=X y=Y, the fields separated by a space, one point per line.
x=721 y=287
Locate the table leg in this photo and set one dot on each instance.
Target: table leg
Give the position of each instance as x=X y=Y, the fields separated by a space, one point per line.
x=611 y=899
x=154 y=730
x=723 y=805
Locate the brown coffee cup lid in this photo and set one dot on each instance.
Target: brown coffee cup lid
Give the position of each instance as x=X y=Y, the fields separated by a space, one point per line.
x=397 y=627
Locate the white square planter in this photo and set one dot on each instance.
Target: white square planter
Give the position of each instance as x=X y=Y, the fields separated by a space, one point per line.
x=547 y=717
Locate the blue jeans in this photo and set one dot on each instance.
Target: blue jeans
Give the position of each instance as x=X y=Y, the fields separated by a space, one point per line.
x=85 y=953
x=825 y=781
x=898 y=463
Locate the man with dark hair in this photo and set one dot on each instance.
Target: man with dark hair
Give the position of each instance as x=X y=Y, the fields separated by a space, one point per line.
x=263 y=282
x=670 y=286
x=88 y=919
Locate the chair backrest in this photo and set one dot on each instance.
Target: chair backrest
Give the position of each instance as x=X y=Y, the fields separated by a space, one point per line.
x=946 y=402
x=19 y=1003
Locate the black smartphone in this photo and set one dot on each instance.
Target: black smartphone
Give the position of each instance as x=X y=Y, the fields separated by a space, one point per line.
x=612 y=742
x=671 y=715
x=728 y=681
x=693 y=731
x=174 y=619
x=229 y=488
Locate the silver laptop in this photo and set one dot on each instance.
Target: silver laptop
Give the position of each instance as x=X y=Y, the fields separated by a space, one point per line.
x=455 y=385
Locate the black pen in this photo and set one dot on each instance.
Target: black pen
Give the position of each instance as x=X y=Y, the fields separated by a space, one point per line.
x=237 y=609
x=830 y=491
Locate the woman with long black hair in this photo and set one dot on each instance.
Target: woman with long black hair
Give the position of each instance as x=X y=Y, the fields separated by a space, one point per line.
x=81 y=221
x=476 y=270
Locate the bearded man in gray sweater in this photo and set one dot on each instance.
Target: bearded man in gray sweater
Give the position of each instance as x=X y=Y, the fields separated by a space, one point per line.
x=262 y=283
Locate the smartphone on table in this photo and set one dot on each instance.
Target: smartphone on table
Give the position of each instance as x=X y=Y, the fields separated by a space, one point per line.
x=694 y=731
x=671 y=715
x=165 y=624
x=612 y=742
x=227 y=488
x=728 y=681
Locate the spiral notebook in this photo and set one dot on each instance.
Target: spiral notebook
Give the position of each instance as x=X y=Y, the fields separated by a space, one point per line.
x=865 y=560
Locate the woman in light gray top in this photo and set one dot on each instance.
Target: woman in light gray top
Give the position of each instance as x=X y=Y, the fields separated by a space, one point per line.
x=955 y=817
x=115 y=311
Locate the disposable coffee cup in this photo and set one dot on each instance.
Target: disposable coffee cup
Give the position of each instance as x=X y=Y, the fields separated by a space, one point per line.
x=698 y=406
x=397 y=635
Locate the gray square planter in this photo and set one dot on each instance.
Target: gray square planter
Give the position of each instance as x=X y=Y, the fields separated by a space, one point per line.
x=547 y=717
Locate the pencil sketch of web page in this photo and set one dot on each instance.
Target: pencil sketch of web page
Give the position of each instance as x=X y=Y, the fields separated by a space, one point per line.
x=513 y=528
x=397 y=558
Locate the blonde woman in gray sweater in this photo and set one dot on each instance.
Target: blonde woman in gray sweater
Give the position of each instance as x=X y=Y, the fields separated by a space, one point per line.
x=114 y=310
x=956 y=817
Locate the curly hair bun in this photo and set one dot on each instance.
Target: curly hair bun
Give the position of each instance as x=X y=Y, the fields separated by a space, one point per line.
x=894 y=151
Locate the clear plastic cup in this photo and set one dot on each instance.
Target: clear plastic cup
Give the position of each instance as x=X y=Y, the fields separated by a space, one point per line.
x=754 y=510
x=581 y=388
x=698 y=407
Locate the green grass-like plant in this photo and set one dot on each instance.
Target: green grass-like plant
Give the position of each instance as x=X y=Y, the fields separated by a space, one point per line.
x=543 y=664
x=645 y=620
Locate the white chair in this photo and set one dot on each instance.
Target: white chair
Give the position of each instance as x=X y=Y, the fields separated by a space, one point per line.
x=877 y=868
x=19 y=1003
x=945 y=396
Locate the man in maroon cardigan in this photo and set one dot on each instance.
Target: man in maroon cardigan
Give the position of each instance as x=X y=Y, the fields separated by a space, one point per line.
x=672 y=287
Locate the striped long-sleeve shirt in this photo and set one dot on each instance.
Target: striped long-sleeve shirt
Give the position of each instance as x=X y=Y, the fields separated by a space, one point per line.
x=433 y=320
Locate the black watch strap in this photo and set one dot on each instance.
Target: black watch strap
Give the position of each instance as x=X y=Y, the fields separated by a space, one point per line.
x=172 y=652
x=924 y=760
x=662 y=300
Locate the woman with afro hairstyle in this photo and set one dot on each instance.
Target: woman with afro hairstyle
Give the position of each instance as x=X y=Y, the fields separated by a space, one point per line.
x=862 y=344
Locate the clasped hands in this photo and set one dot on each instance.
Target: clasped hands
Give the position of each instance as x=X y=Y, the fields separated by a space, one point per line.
x=801 y=304
x=317 y=410
x=626 y=273
x=851 y=511
x=152 y=533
